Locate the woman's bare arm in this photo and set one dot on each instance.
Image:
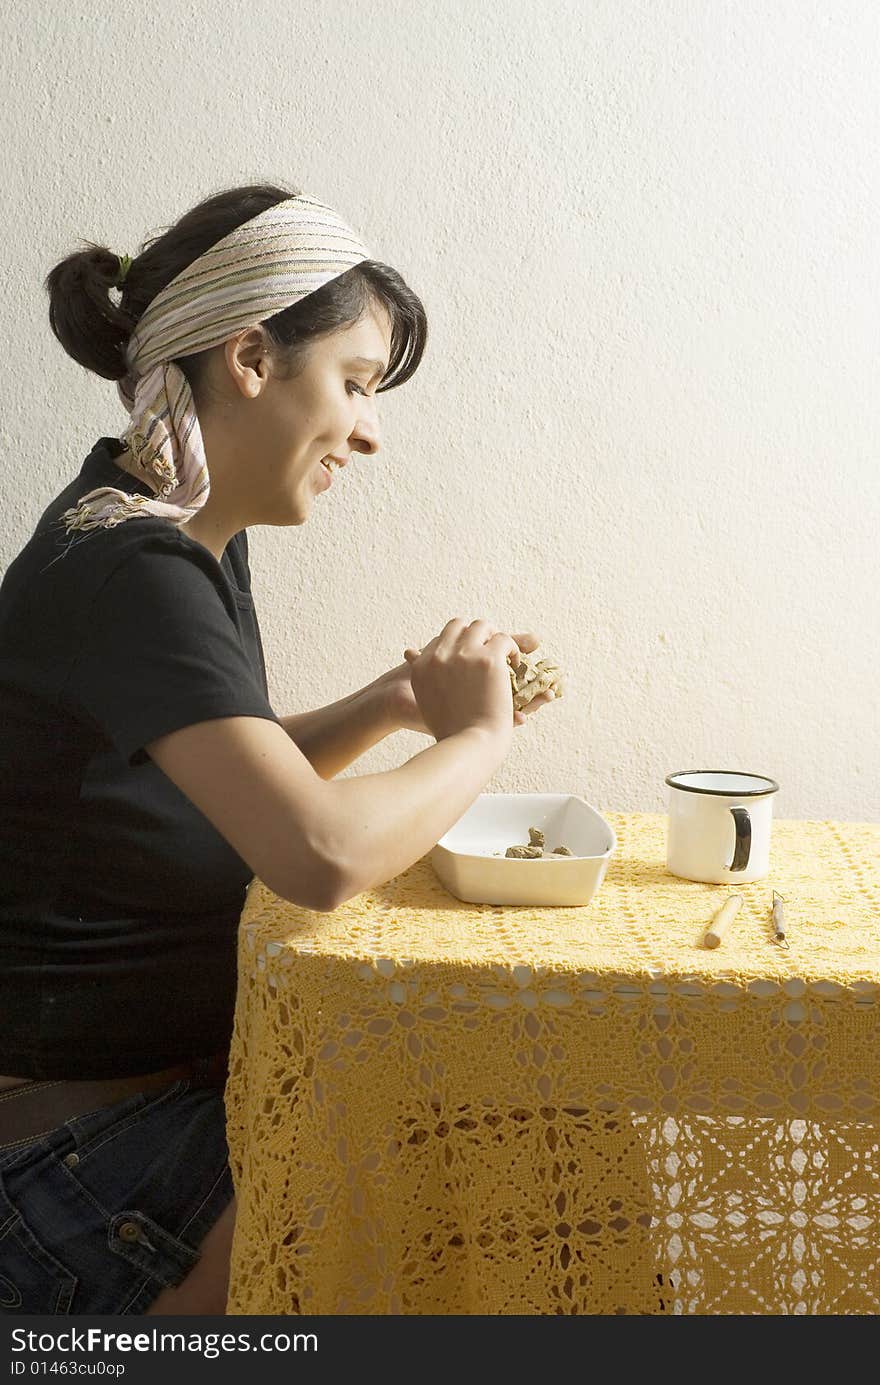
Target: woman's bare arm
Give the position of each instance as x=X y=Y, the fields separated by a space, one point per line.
x=332 y=737
x=316 y=842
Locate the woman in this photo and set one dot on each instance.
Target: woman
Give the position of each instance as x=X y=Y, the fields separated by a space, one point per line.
x=147 y=778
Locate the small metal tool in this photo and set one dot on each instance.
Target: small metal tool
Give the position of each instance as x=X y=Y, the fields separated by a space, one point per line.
x=778 y=917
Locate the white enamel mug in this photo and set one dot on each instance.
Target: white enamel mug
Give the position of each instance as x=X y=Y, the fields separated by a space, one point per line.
x=718 y=829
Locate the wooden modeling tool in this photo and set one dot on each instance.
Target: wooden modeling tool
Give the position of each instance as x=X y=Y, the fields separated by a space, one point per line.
x=722 y=920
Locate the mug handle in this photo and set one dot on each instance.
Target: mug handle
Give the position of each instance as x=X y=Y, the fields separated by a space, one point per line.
x=743 y=844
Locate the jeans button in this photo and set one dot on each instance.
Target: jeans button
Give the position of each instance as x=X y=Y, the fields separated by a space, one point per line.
x=71 y=1160
x=129 y=1231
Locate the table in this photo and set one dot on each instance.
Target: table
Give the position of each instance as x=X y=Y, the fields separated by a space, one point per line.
x=444 y=1108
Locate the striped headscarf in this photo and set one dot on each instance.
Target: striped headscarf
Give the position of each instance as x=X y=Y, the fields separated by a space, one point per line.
x=260 y=268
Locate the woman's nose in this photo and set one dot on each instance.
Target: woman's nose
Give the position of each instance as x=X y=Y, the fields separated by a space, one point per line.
x=365 y=436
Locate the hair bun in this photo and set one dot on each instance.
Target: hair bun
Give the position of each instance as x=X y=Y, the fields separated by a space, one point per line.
x=91 y=326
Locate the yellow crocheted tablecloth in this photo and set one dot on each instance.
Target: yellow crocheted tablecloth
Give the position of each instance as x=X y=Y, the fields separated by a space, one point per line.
x=446 y=1108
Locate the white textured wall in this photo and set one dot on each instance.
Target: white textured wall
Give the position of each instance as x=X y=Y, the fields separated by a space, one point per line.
x=646 y=233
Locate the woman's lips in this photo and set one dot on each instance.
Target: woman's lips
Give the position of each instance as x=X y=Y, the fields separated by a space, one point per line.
x=327 y=470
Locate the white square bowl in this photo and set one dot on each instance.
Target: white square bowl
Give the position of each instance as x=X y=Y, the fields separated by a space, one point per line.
x=469 y=859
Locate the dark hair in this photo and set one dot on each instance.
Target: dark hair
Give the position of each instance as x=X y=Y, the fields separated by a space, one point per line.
x=95 y=330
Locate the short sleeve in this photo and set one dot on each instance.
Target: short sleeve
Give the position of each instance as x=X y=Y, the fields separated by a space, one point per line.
x=161 y=648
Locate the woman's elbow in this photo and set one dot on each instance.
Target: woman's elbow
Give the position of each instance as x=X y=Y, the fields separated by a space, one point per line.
x=321 y=891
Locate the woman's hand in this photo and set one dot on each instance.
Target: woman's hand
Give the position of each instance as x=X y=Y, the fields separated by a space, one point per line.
x=402 y=710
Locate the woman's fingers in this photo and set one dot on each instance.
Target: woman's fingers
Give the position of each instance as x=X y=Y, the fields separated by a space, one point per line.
x=449 y=636
x=506 y=643
x=479 y=632
x=527 y=642
x=540 y=701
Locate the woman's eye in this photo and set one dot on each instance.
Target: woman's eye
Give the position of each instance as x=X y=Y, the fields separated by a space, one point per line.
x=353 y=387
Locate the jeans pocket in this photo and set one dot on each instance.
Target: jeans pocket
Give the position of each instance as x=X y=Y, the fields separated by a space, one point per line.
x=150 y=1248
x=31 y=1279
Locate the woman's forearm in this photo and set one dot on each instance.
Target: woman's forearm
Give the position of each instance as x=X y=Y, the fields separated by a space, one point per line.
x=379 y=824
x=332 y=737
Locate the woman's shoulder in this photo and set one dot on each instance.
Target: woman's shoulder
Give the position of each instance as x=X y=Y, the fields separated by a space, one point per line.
x=65 y=567
x=51 y=535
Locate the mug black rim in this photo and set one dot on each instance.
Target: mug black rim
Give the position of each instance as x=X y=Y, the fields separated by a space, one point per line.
x=773 y=787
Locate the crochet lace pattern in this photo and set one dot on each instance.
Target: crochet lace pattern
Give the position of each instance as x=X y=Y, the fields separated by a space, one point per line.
x=445 y=1108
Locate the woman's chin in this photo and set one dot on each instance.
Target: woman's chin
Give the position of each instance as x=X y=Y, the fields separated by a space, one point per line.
x=292 y=508
x=290 y=521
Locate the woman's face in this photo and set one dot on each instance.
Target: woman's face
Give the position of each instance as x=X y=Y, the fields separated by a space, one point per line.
x=267 y=439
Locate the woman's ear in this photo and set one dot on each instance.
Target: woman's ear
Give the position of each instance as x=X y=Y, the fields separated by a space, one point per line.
x=248 y=361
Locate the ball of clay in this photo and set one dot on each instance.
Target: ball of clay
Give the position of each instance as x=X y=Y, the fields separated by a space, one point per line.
x=532 y=676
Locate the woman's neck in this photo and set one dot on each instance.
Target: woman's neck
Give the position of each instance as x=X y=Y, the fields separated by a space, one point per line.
x=205 y=527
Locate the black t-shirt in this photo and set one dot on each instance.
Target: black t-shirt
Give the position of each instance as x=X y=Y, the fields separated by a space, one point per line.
x=119 y=902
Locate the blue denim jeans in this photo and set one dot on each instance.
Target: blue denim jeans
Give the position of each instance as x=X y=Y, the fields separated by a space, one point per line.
x=101 y=1214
